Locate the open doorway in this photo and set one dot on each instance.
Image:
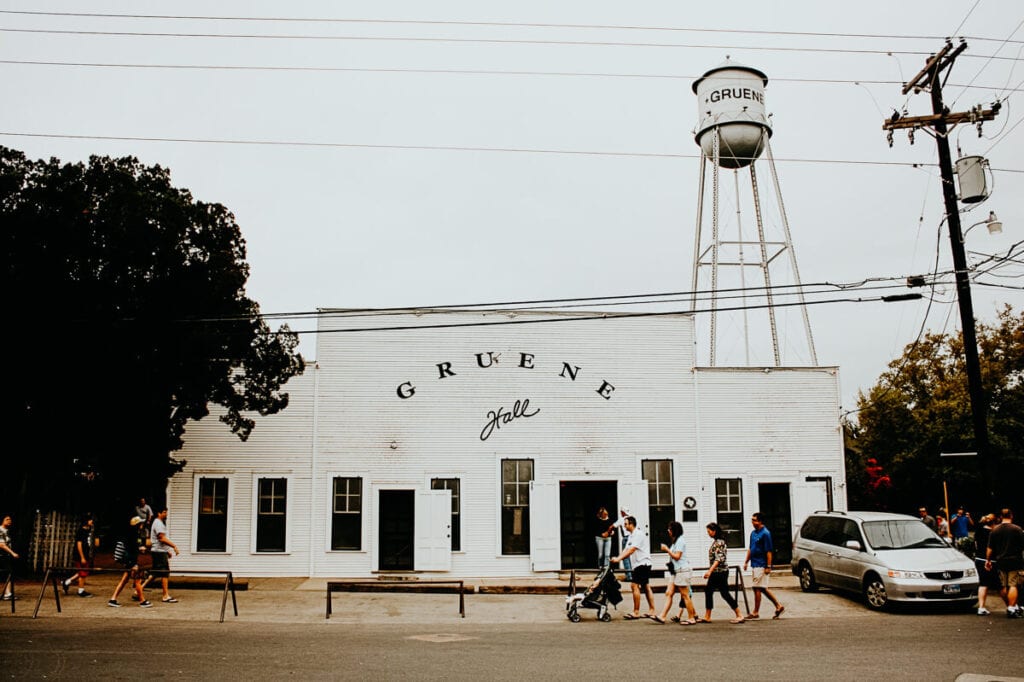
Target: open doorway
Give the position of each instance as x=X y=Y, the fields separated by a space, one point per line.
x=396 y=532
x=778 y=518
x=578 y=504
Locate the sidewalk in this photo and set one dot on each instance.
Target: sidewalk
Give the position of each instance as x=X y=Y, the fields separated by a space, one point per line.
x=303 y=600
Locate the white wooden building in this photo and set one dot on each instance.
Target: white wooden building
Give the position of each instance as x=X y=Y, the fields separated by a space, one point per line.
x=480 y=444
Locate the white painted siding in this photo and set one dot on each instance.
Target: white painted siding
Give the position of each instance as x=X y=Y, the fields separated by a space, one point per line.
x=279 y=446
x=347 y=419
x=577 y=434
x=774 y=425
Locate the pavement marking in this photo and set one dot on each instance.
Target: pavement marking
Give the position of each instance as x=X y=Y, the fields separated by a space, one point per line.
x=442 y=638
x=981 y=677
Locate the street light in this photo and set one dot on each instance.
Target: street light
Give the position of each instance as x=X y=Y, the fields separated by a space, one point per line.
x=995 y=226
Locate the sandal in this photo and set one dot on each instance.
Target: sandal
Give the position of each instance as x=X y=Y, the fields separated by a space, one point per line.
x=688 y=622
x=778 y=612
x=658 y=619
x=737 y=621
x=753 y=616
x=675 y=619
x=630 y=616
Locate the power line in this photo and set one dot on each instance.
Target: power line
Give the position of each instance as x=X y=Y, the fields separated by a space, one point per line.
x=967 y=16
x=474 y=41
x=1004 y=135
x=502 y=24
x=513 y=150
x=471 y=72
x=887 y=282
x=985 y=65
x=603 y=316
x=455 y=148
x=877 y=283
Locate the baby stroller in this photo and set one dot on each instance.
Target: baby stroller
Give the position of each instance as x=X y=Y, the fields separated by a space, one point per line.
x=603 y=591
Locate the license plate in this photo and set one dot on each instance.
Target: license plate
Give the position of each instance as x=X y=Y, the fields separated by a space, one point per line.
x=951 y=589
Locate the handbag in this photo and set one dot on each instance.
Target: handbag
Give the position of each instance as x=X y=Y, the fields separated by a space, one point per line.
x=671 y=568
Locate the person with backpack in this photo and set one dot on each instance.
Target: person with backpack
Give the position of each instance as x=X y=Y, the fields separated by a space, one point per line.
x=129 y=553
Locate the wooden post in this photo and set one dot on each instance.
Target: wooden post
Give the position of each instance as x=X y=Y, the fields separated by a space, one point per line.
x=945 y=496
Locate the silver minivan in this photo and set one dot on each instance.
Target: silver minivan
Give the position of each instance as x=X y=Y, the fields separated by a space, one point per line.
x=885 y=557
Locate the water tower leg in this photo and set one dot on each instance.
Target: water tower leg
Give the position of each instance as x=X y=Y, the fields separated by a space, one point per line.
x=769 y=295
x=792 y=254
x=741 y=245
x=697 y=255
x=716 y=156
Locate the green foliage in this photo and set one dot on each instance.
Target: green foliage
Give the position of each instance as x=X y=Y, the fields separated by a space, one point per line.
x=128 y=316
x=921 y=407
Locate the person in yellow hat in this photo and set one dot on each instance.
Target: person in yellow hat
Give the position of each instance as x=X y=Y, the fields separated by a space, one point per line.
x=134 y=546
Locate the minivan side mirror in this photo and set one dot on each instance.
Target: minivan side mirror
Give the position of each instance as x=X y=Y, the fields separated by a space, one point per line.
x=853 y=544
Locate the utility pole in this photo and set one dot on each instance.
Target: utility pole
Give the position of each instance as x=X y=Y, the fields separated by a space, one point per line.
x=930 y=78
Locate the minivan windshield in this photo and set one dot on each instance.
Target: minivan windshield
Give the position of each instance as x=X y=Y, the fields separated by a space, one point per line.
x=900 y=534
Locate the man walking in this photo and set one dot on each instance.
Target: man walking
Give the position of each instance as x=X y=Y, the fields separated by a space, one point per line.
x=160 y=551
x=82 y=554
x=7 y=557
x=1005 y=545
x=638 y=550
x=759 y=557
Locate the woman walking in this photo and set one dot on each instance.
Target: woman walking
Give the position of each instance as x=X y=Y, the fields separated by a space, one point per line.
x=718 y=575
x=679 y=581
x=987 y=578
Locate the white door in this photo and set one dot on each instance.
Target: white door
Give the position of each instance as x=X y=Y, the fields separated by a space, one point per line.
x=433 y=546
x=545 y=541
x=633 y=495
x=807 y=498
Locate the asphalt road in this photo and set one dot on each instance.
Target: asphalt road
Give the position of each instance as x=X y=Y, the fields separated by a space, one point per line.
x=907 y=645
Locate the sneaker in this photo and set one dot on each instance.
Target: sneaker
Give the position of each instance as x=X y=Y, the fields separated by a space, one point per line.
x=169 y=600
x=146 y=604
x=983 y=611
x=135 y=597
x=83 y=593
x=1016 y=613
x=113 y=603
x=10 y=597
x=66 y=585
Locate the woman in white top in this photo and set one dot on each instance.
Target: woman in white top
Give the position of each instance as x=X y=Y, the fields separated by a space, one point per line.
x=679 y=581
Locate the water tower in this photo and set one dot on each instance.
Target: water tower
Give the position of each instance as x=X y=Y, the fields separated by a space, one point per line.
x=736 y=278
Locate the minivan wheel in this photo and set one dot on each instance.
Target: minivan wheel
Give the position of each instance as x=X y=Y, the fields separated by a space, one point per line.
x=807 y=580
x=874 y=593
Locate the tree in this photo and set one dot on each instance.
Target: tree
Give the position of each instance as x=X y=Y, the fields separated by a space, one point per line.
x=127 y=316
x=920 y=408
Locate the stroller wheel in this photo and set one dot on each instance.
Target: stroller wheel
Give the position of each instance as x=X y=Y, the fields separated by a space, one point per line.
x=605 y=617
x=574 y=617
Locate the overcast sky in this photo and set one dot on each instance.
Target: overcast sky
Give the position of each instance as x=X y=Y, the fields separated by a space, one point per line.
x=469 y=152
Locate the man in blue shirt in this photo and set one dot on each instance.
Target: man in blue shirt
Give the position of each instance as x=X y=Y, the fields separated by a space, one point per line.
x=960 y=525
x=759 y=556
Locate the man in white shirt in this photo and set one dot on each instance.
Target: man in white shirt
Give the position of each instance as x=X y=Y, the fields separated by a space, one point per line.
x=638 y=549
x=160 y=551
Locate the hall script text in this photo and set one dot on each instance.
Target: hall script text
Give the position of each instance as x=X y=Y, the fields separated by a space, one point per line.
x=495 y=418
